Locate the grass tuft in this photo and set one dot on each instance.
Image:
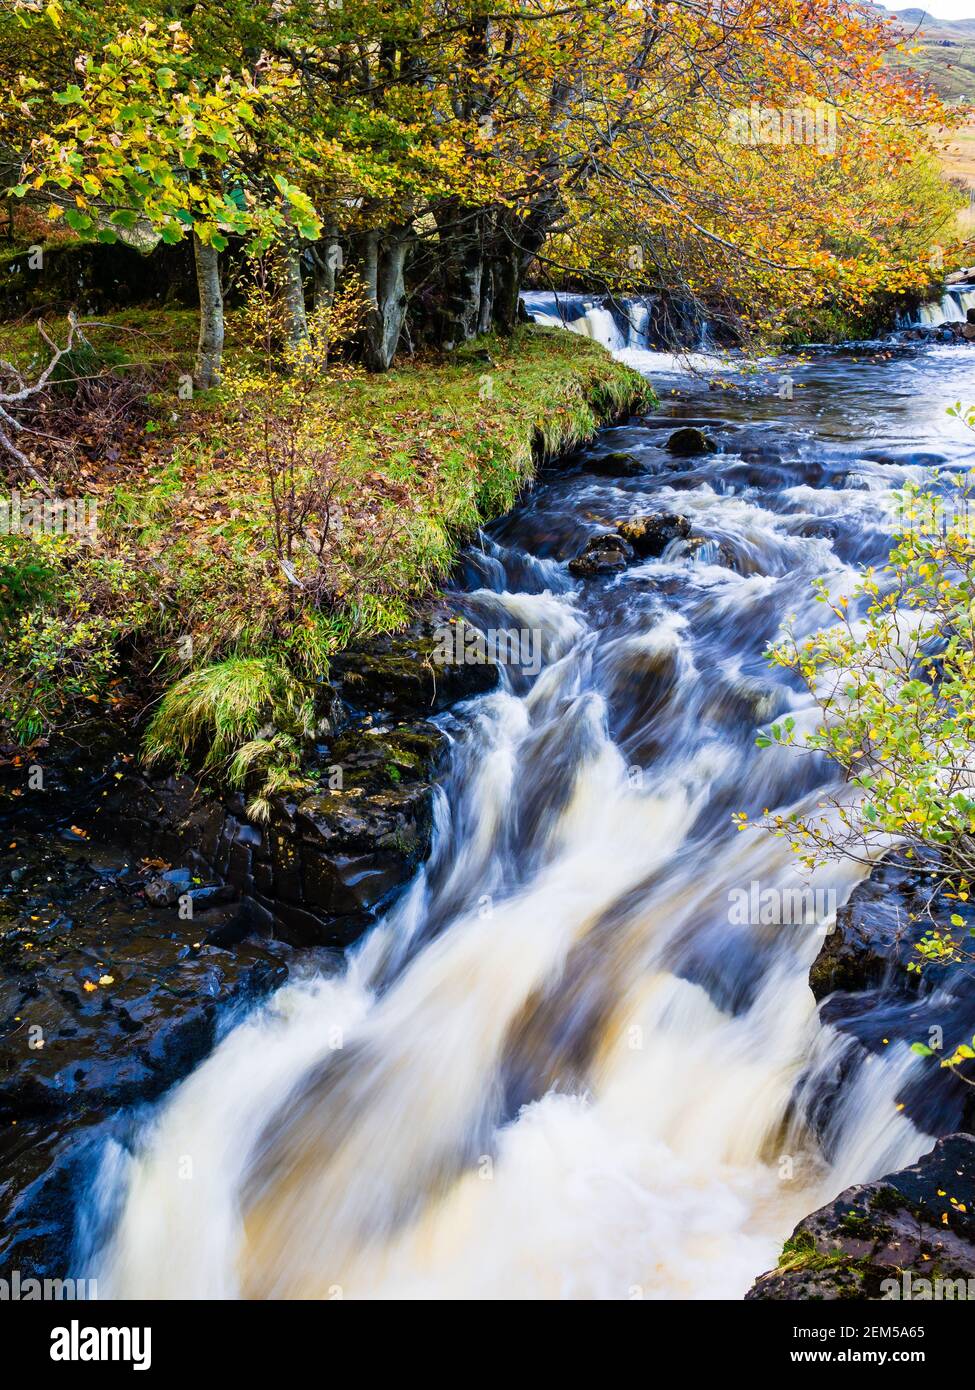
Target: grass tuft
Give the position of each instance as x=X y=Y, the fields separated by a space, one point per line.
x=216 y=715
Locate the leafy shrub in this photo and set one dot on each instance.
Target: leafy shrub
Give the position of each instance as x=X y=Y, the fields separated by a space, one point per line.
x=64 y=609
x=896 y=690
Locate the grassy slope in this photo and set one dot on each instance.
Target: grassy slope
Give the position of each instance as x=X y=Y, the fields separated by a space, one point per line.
x=422 y=456
x=185 y=547
x=944 y=55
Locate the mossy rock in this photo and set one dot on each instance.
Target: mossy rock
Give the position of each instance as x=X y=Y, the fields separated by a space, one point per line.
x=651 y=534
x=919 y=1220
x=689 y=440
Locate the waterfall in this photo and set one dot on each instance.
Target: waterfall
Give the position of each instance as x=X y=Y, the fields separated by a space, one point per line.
x=561 y=1067
x=952 y=307
x=654 y=334
x=616 y=324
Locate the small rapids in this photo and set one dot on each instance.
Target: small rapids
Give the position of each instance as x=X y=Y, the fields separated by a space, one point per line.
x=562 y=1067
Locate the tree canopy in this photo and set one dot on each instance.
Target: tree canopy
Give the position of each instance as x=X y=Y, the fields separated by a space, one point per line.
x=757 y=155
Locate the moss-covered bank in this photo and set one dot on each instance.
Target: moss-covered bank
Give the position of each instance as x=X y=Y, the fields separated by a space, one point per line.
x=252 y=533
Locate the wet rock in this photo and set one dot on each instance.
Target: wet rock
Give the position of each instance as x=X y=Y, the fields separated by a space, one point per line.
x=876 y=1004
x=690 y=440
x=413 y=674
x=328 y=863
x=707 y=551
x=105 y=1002
x=651 y=534
x=916 y=458
x=887 y=1239
x=618 y=464
x=602 y=555
x=104 y=999
x=166 y=889
x=877 y=930
x=816 y=528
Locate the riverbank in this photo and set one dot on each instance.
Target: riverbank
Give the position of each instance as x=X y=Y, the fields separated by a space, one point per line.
x=244 y=537
x=584 y=855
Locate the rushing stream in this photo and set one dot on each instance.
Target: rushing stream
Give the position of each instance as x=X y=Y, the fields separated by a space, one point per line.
x=562 y=1067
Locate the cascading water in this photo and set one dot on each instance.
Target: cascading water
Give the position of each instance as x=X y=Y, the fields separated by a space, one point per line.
x=637 y=323
x=561 y=1067
x=614 y=323
x=952 y=307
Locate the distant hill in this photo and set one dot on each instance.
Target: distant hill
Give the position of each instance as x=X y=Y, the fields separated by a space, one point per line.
x=946 y=56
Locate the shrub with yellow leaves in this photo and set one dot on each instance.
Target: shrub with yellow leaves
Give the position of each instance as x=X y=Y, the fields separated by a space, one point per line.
x=894 y=679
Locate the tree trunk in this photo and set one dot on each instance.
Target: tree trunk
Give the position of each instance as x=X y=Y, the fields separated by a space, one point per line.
x=209 y=351
x=382 y=264
x=293 y=289
x=328 y=265
x=485 y=317
x=515 y=243
x=506 y=283
x=462 y=269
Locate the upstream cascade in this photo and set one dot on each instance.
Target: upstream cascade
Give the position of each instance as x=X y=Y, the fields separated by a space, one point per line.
x=563 y=1066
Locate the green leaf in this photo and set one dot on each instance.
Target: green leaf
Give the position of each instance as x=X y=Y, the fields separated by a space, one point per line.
x=78 y=221
x=922 y=1049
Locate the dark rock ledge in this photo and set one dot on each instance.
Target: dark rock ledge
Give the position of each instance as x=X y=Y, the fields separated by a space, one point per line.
x=140 y=915
x=887 y=1239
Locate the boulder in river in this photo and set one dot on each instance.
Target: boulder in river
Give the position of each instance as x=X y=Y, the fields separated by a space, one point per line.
x=890 y=1239
x=877 y=930
x=618 y=464
x=707 y=551
x=689 y=441
x=601 y=555
x=650 y=534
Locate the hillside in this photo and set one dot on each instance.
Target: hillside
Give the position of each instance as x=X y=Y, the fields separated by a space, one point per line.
x=946 y=50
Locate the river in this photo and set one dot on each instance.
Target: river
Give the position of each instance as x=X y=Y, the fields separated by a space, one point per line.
x=563 y=1067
